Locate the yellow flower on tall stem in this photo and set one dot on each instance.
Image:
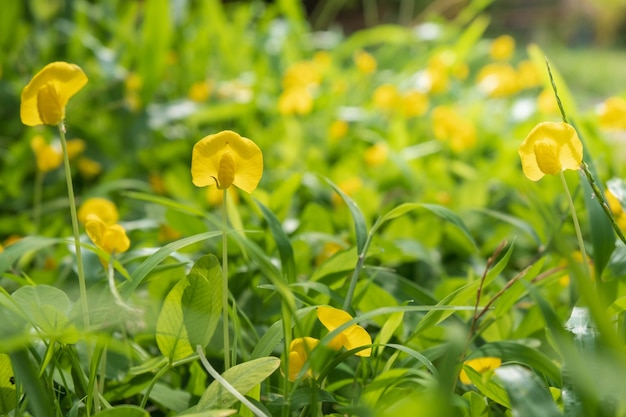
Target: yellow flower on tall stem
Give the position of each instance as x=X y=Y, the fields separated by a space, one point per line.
x=111 y=238
x=353 y=337
x=550 y=148
x=45 y=97
x=225 y=159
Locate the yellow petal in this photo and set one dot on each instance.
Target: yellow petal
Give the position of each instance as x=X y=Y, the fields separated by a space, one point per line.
x=480 y=365
x=550 y=146
x=44 y=99
x=226 y=171
x=101 y=207
x=356 y=336
x=115 y=239
x=299 y=350
x=95 y=228
x=296 y=362
x=208 y=153
x=331 y=317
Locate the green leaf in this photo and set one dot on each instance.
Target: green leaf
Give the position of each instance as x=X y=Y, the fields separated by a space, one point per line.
x=156 y=258
x=123 y=411
x=488 y=386
x=360 y=226
x=8 y=396
x=47 y=308
x=191 y=310
x=242 y=377
x=285 y=249
x=529 y=396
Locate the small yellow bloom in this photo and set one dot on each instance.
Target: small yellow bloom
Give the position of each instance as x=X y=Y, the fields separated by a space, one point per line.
x=46 y=95
x=101 y=207
x=498 y=80
x=47 y=156
x=109 y=238
x=295 y=100
x=546 y=102
x=385 y=97
x=75 y=147
x=450 y=127
x=89 y=168
x=376 y=155
x=338 y=129
x=199 y=91
x=502 y=48
x=549 y=149
x=349 y=186
x=226 y=159
x=613 y=114
x=481 y=365
x=414 y=104
x=302 y=74
x=299 y=350
x=528 y=74
x=614 y=204
x=353 y=337
x=365 y=63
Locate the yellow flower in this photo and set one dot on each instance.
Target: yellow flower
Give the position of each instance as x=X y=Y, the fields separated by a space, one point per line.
x=109 y=238
x=47 y=156
x=349 y=186
x=199 y=91
x=502 y=48
x=614 y=204
x=75 y=147
x=46 y=95
x=365 y=63
x=226 y=159
x=353 y=337
x=376 y=155
x=546 y=102
x=448 y=126
x=89 y=168
x=295 y=100
x=481 y=365
x=338 y=129
x=498 y=80
x=385 y=97
x=302 y=74
x=101 y=207
x=299 y=350
x=550 y=148
x=613 y=114
x=414 y=104
x=528 y=74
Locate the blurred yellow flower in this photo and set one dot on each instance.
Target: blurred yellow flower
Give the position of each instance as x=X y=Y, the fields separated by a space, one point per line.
x=302 y=74
x=578 y=257
x=502 y=48
x=46 y=95
x=322 y=60
x=199 y=91
x=109 y=238
x=47 y=156
x=299 y=350
x=215 y=196
x=498 y=80
x=101 y=207
x=450 y=127
x=546 y=102
x=414 y=104
x=338 y=129
x=353 y=337
x=295 y=100
x=89 y=168
x=619 y=215
x=528 y=74
x=328 y=250
x=365 y=63
x=376 y=155
x=481 y=365
x=437 y=79
x=385 y=97
x=226 y=159
x=550 y=148
x=612 y=114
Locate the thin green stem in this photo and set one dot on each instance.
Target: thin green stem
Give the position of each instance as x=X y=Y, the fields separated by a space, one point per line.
x=225 y=280
x=579 y=235
x=79 y=259
x=37 y=200
x=357 y=272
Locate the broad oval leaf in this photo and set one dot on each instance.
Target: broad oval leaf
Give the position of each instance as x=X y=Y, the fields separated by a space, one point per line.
x=191 y=310
x=242 y=377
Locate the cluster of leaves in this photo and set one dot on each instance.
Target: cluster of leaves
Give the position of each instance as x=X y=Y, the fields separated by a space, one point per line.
x=391 y=183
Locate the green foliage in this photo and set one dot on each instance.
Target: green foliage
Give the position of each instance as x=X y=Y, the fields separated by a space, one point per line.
x=421 y=226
